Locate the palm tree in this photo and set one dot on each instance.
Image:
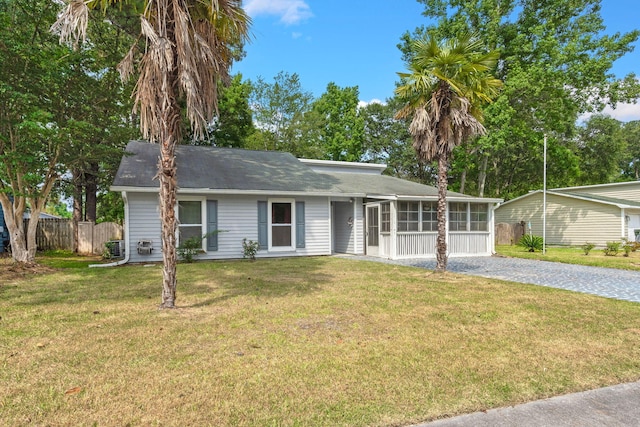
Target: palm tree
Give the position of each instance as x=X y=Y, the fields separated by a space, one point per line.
x=189 y=46
x=444 y=89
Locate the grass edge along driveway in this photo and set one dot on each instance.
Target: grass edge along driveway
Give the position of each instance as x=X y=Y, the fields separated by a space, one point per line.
x=305 y=341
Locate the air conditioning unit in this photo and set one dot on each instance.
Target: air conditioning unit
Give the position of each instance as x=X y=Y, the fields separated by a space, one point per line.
x=117 y=248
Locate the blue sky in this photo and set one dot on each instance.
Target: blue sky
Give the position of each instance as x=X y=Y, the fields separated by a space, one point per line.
x=354 y=43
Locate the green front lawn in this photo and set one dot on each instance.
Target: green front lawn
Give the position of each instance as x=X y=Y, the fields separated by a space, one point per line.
x=283 y=342
x=569 y=255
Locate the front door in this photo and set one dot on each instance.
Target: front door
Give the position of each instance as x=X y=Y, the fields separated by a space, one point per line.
x=373 y=230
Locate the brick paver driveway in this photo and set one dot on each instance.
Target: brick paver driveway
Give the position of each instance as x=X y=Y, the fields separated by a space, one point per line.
x=606 y=282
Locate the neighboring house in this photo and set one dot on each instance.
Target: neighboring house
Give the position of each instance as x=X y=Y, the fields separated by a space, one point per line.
x=292 y=207
x=4 y=233
x=575 y=215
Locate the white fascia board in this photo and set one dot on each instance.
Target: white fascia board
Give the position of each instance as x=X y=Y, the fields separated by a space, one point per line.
x=205 y=191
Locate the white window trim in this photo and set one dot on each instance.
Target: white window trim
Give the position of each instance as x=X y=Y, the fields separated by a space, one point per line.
x=203 y=216
x=272 y=248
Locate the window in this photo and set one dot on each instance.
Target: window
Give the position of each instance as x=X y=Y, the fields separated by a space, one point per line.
x=385 y=217
x=457 y=216
x=190 y=220
x=281 y=224
x=479 y=217
x=408 y=216
x=429 y=216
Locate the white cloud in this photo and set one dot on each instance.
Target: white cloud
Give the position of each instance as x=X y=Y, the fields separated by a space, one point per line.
x=623 y=112
x=290 y=11
x=362 y=104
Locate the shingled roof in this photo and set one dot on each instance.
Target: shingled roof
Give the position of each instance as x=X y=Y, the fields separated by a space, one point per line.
x=222 y=169
x=228 y=169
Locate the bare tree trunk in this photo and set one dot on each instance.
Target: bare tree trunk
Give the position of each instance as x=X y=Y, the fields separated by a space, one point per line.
x=91 y=189
x=482 y=175
x=463 y=180
x=13 y=217
x=441 y=245
x=77 y=206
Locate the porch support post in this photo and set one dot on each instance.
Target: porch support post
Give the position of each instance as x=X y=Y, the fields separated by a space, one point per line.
x=394 y=230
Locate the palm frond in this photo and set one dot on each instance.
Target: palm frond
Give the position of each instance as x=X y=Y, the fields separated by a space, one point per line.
x=72 y=23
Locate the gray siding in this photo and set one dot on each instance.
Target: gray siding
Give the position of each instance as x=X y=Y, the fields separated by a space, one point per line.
x=237 y=219
x=569 y=221
x=144 y=224
x=342 y=232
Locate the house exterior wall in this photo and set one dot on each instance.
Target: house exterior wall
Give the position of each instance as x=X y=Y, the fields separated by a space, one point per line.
x=343 y=232
x=570 y=222
x=625 y=191
x=237 y=219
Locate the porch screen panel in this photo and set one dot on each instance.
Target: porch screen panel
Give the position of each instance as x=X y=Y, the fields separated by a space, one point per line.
x=385 y=217
x=429 y=216
x=479 y=216
x=457 y=216
x=408 y=215
x=372 y=226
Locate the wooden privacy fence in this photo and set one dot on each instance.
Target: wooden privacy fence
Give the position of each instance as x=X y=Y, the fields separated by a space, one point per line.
x=53 y=234
x=509 y=234
x=92 y=237
x=57 y=234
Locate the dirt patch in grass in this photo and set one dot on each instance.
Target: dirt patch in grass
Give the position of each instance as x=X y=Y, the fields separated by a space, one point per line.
x=11 y=271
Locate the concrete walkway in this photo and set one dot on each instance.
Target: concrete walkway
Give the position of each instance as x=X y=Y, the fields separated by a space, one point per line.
x=618 y=405
x=611 y=406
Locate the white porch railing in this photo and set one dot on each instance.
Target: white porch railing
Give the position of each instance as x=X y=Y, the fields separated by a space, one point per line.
x=423 y=245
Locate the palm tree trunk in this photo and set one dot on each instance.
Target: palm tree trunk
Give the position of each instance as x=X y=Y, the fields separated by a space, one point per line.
x=441 y=245
x=168 y=187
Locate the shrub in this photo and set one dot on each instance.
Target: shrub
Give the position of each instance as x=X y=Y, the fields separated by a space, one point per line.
x=586 y=248
x=189 y=248
x=612 y=248
x=531 y=242
x=627 y=246
x=249 y=249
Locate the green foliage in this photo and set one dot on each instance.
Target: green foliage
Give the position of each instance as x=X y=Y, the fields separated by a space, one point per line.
x=110 y=208
x=555 y=65
x=107 y=253
x=612 y=248
x=531 y=242
x=188 y=249
x=279 y=109
x=586 y=248
x=602 y=149
x=249 y=249
x=628 y=246
x=341 y=128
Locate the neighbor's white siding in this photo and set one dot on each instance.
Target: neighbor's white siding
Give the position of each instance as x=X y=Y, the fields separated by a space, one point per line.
x=569 y=221
x=237 y=219
x=625 y=191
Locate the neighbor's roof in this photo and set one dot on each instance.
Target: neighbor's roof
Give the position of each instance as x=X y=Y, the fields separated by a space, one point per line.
x=215 y=169
x=596 y=198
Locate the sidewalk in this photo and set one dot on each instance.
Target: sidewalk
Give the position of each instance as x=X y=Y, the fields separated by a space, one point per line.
x=614 y=406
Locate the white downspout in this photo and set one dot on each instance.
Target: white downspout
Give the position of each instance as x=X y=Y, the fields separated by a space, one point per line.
x=126 y=238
